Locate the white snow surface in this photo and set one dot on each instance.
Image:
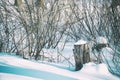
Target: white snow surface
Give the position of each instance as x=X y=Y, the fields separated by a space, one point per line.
x=80 y=42
x=101 y=40
x=90 y=71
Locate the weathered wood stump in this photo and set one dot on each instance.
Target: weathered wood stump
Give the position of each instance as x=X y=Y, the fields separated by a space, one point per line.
x=101 y=42
x=81 y=54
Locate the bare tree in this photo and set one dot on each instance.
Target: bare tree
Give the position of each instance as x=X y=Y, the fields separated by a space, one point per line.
x=34 y=26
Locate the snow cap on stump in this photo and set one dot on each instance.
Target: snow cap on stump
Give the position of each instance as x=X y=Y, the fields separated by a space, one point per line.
x=80 y=42
x=101 y=40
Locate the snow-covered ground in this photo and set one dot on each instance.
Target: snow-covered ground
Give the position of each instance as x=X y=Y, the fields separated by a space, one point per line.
x=6 y=76
x=15 y=68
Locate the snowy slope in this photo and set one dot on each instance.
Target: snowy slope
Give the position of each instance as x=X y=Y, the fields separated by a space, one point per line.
x=6 y=76
x=15 y=68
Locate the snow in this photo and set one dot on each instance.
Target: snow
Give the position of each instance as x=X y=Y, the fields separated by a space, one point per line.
x=107 y=54
x=80 y=42
x=101 y=40
x=5 y=76
x=48 y=6
x=108 y=51
x=15 y=68
x=11 y=1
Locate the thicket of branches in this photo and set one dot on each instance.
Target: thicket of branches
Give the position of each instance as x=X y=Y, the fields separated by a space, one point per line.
x=36 y=24
x=31 y=26
x=94 y=19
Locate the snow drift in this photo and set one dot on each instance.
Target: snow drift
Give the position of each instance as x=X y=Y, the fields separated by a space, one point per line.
x=15 y=68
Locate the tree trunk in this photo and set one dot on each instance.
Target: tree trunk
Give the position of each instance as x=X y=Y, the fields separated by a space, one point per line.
x=81 y=55
x=86 y=55
x=78 y=57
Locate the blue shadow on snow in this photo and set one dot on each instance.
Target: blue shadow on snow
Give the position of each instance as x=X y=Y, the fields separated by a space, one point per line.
x=5 y=68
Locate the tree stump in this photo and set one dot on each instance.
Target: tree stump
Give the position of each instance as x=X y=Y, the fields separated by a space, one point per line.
x=81 y=54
